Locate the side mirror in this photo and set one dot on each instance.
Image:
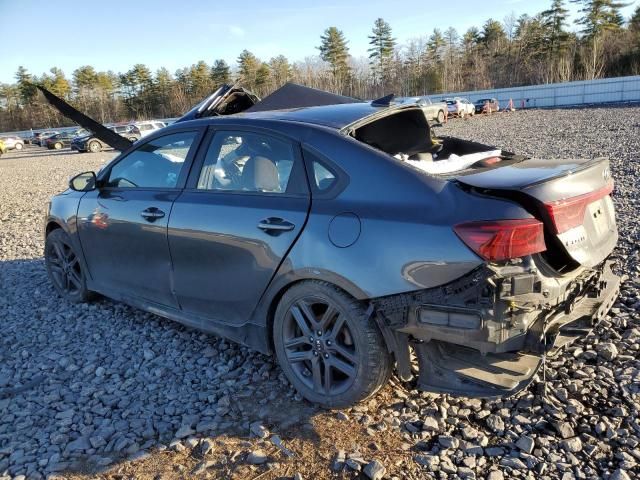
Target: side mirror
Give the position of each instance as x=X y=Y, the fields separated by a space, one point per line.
x=83 y=182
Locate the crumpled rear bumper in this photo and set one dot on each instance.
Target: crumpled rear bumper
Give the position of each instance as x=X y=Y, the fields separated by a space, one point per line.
x=449 y=368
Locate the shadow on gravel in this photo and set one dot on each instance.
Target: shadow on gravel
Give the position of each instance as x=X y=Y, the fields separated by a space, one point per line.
x=85 y=387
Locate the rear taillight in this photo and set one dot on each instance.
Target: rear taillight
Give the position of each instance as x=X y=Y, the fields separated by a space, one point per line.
x=569 y=213
x=503 y=239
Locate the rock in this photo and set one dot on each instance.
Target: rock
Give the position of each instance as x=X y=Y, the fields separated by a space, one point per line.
x=429 y=461
x=607 y=350
x=495 y=475
x=202 y=466
x=184 y=431
x=430 y=424
x=573 y=445
x=470 y=433
x=526 y=444
x=495 y=423
x=258 y=430
x=338 y=461
x=375 y=470
x=564 y=429
x=353 y=464
x=257 y=457
x=340 y=415
x=447 y=441
x=513 y=463
x=205 y=447
x=619 y=474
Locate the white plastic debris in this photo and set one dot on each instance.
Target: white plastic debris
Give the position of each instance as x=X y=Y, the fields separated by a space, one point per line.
x=454 y=163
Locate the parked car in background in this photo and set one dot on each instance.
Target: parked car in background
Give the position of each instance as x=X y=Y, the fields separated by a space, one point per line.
x=13 y=142
x=487 y=105
x=433 y=110
x=40 y=138
x=145 y=128
x=60 y=140
x=126 y=130
x=90 y=143
x=460 y=107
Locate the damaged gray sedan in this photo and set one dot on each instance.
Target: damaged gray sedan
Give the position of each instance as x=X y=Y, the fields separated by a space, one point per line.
x=341 y=236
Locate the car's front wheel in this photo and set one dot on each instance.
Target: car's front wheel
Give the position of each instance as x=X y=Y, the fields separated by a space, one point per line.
x=57 y=146
x=440 y=116
x=329 y=348
x=18 y=146
x=94 y=147
x=64 y=267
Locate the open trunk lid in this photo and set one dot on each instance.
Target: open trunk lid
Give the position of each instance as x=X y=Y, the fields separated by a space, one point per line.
x=571 y=198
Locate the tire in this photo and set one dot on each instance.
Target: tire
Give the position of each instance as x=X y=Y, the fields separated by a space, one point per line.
x=440 y=116
x=64 y=268
x=461 y=114
x=94 y=147
x=307 y=339
x=19 y=146
x=57 y=146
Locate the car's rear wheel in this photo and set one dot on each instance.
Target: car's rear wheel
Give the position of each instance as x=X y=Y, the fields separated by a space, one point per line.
x=440 y=116
x=18 y=146
x=328 y=346
x=94 y=147
x=461 y=114
x=64 y=267
x=57 y=146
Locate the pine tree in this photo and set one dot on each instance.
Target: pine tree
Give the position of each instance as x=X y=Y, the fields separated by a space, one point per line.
x=493 y=34
x=381 y=50
x=220 y=73
x=281 y=71
x=248 y=65
x=436 y=45
x=599 y=16
x=200 y=79
x=56 y=83
x=333 y=50
x=555 y=19
x=26 y=88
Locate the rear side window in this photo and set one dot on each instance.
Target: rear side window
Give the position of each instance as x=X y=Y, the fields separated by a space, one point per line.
x=247 y=162
x=324 y=176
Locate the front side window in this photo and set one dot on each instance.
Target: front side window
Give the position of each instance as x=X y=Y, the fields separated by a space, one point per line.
x=247 y=162
x=155 y=164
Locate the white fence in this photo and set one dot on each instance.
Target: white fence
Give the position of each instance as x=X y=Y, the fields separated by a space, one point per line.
x=606 y=90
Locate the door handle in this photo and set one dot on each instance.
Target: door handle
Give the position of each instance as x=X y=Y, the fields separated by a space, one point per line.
x=275 y=225
x=152 y=214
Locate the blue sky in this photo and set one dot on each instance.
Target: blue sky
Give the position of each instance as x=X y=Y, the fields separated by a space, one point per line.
x=116 y=34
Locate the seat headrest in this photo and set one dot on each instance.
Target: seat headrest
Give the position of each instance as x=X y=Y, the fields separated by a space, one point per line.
x=260 y=174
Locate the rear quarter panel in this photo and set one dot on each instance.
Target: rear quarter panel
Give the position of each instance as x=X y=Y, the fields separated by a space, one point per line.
x=405 y=240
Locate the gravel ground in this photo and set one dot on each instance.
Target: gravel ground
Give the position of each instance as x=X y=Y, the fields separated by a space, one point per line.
x=103 y=390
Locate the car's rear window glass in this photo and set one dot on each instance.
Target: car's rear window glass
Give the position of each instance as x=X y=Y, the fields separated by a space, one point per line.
x=247 y=162
x=155 y=164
